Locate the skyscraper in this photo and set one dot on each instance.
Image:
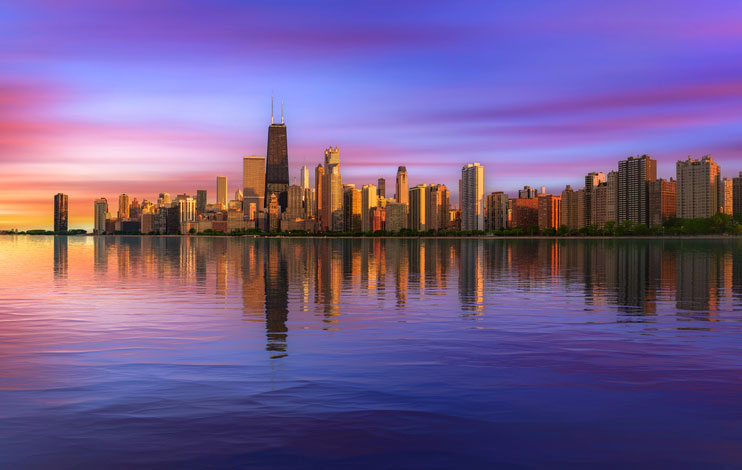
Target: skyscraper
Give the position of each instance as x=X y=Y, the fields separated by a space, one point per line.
x=123 y=206
x=352 y=202
x=436 y=207
x=662 y=201
x=253 y=183
x=304 y=177
x=319 y=195
x=527 y=193
x=369 y=200
x=633 y=193
x=726 y=196
x=549 y=211
x=697 y=187
x=381 y=188
x=101 y=214
x=277 y=162
x=417 y=201
x=221 y=191
x=472 y=197
x=569 y=209
x=332 y=205
x=60 y=212
x=592 y=180
x=403 y=186
x=496 y=206
x=737 y=193
x=201 y=201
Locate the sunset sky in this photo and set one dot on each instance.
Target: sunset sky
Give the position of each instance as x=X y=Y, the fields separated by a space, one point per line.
x=103 y=97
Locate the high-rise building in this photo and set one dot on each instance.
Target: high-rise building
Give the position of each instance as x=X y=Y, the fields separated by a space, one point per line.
x=295 y=209
x=163 y=199
x=436 y=207
x=737 y=194
x=611 y=196
x=662 y=201
x=592 y=180
x=396 y=216
x=525 y=212
x=100 y=215
x=187 y=208
x=123 y=206
x=496 y=211
x=253 y=182
x=304 y=177
x=369 y=199
x=726 y=196
x=381 y=188
x=332 y=205
x=201 y=201
x=135 y=209
x=403 y=186
x=527 y=193
x=273 y=217
x=60 y=212
x=221 y=191
x=418 y=200
x=697 y=187
x=277 y=162
x=471 y=195
x=569 y=208
x=319 y=195
x=549 y=212
x=352 y=204
x=580 y=197
x=633 y=196
x=378 y=218
x=309 y=203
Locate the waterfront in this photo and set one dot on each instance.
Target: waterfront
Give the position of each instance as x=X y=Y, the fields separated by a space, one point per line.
x=370 y=353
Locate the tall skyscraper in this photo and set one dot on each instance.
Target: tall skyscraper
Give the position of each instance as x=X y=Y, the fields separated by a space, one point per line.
x=436 y=207
x=697 y=187
x=100 y=216
x=472 y=197
x=726 y=196
x=417 y=201
x=352 y=203
x=253 y=183
x=60 y=212
x=277 y=162
x=295 y=209
x=369 y=200
x=201 y=201
x=549 y=211
x=319 y=195
x=592 y=180
x=633 y=193
x=221 y=191
x=332 y=191
x=381 y=188
x=123 y=206
x=403 y=186
x=304 y=177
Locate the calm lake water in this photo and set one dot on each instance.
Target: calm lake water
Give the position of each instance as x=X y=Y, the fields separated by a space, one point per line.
x=346 y=353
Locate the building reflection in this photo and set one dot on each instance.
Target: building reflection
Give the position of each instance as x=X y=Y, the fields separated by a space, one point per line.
x=312 y=280
x=61 y=263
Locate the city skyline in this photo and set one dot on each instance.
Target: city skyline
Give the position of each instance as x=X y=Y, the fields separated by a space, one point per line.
x=391 y=85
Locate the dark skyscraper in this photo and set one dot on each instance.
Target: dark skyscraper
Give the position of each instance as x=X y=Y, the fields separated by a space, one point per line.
x=381 y=188
x=200 y=201
x=60 y=212
x=277 y=163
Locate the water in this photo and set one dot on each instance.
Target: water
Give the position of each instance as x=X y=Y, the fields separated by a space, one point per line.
x=346 y=353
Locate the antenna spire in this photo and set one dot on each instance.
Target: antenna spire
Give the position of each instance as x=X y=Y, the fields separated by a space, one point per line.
x=281 y=111
x=271 y=108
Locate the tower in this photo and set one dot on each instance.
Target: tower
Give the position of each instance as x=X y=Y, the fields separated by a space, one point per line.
x=277 y=162
x=60 y=212
x=403 y=186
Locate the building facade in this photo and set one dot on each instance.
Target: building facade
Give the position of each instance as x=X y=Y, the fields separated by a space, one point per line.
x=697 y=187
x=662 y=201
x=471 y=195
x=633 y=197
x=61 y=212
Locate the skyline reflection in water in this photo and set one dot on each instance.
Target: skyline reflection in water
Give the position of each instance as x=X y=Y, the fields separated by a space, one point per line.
x=321 y=352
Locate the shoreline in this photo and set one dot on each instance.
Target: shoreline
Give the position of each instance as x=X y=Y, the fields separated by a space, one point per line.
x=412 y=237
